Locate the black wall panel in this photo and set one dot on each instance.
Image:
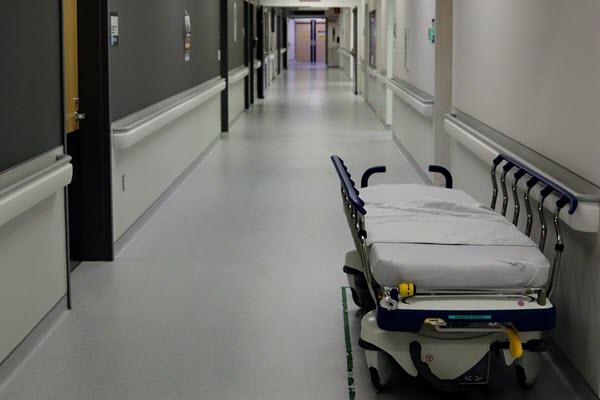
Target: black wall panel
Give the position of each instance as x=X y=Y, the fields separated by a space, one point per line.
x=236 y=47
x=31 y=96
x=148 y=64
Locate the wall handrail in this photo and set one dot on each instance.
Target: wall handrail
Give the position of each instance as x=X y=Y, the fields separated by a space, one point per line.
x=271 y=56
x=283 y=50
x=257 y=64
x=422 y=105
x=238 y=74
x=22 y=195
x=372 y=71
x=587 y=196
x=126 y=133
x=345 y=52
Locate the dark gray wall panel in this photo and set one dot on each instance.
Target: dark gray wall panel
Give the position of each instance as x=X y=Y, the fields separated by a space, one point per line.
x=31 y=116
x=236 y=48
x=148 y=64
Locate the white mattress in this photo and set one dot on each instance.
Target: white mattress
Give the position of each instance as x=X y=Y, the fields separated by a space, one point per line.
x=410 y=192
x=458 y=267
x=442 y=266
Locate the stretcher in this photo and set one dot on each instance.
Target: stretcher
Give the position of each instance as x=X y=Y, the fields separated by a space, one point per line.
x=445 y=282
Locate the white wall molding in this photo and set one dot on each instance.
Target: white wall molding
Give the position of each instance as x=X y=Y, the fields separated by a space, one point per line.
x=238 y=74
x=26 y=193
x=127 y=136
x=422 y=106
x=587 y=216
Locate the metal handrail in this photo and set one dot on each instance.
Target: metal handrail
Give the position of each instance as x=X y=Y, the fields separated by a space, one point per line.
x=128 y=135
x=20 y=196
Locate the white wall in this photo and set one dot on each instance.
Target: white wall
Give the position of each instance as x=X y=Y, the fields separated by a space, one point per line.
x=237 y=101
x=291 y=40
x=413 y=17
x=414 y=131
x=33 y=262
x=376 y=93
x=362 y=55
x=531 y=70
x=333 y=54
x=346 y=41
x=153 y=164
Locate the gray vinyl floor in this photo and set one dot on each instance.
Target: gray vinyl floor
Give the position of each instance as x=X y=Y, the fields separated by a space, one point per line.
x=233 y=289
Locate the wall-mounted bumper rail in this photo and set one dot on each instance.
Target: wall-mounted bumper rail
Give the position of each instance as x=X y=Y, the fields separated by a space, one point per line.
x=20 y=196
x=238 y=74
x=382 y=76
x=372 y=72
x=561 y=184
x=283 y=50
x=131 y=130
x=257 y=64
x=345 y=52
x=423 y=105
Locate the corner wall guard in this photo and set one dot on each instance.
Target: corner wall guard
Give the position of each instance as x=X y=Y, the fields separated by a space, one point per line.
x=421 y=105
x=20 y=196
x=345 y=52
x=587 y=217
x=238 y=74
x=124 y=138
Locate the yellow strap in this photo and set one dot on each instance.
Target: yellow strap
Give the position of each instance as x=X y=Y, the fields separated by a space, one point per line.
x=516 y=347
x=406 y=289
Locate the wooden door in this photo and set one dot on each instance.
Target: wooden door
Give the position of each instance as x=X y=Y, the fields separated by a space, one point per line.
x=303 y=39
x=71 y=66
x=321 y=42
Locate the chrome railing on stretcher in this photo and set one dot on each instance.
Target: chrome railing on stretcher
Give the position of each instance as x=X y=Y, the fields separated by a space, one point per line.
x=354 y=208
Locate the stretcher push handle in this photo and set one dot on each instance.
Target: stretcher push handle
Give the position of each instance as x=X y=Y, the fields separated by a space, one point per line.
x=518 y=176
x=364 y=182
x=438 y=169
x=536 y=178
x=348 y=185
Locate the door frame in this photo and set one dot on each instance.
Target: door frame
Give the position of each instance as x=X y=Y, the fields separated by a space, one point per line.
x=89 y=197
x=247 y=52
x=355 y=47
x=260 y=51
x=224 y=65
x=252 y=48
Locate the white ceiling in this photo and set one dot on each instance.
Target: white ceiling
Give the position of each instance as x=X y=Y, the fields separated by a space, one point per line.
x=309 y=4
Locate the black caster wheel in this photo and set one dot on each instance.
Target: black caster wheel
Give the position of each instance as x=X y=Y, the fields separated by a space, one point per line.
x=375 y=380
x=356 y=298
x=526 y=382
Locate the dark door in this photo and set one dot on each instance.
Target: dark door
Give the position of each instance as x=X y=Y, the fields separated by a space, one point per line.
x=88 y=139
x=355 y=48
x=260 y=51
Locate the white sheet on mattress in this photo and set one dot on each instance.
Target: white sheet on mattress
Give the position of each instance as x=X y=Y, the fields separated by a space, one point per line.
x=443 y=239
x=409 y=192
x=435 y=221
x=458 y=267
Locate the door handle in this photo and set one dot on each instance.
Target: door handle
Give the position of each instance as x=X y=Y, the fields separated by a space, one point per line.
x=79 y=116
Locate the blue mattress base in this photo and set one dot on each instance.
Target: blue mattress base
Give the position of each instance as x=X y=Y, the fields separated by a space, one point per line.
x=412 y=320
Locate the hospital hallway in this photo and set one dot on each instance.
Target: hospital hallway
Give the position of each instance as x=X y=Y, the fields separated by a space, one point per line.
x=232 y=289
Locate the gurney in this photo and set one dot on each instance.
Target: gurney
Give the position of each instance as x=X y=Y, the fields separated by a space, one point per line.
x=445 y=282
